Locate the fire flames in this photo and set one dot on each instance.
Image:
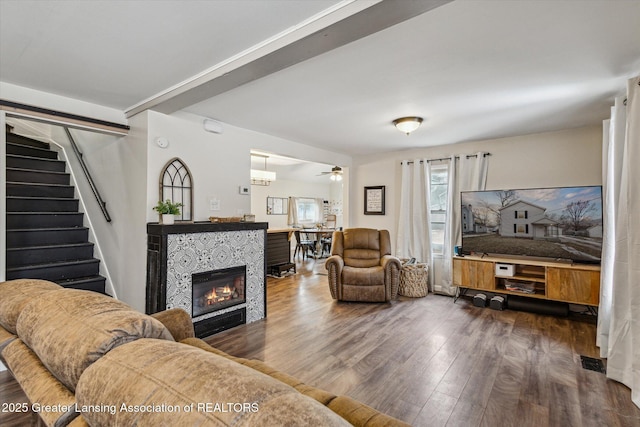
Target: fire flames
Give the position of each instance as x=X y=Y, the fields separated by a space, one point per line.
x=219 y=294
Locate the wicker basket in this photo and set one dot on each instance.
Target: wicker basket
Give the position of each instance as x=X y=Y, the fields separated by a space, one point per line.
x=414 y=280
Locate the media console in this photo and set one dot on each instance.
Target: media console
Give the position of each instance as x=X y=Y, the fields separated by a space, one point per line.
x=547 y=280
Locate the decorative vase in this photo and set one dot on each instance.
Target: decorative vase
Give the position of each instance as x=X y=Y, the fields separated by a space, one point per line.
x=168 y=219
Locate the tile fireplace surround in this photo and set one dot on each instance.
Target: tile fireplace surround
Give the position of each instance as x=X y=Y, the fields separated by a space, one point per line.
x=176 y=252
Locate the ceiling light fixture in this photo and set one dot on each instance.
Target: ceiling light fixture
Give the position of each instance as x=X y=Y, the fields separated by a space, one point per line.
x=262 y=177
x=407 y=124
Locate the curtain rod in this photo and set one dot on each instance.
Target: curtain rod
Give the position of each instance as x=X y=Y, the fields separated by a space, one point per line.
x=447 y=158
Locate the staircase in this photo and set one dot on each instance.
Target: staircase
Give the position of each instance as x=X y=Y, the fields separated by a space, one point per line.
x=46 y=238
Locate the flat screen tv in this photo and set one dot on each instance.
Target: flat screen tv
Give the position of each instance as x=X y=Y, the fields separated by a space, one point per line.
x=563 y=223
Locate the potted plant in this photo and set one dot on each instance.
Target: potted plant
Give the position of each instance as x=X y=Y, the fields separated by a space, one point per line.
x=167 y=210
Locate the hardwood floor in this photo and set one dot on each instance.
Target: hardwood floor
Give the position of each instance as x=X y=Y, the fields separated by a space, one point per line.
x=431 y=362
x=427 y=361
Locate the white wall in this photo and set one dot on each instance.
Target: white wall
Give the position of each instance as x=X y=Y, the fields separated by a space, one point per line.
x=566 y=158
x=218 y=166
x=118 y=167
x=23 y=95
x=219 y=163
x=283 y=188
x=551 y=159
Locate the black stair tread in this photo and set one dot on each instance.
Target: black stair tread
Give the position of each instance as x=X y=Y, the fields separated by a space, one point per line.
x=39 y=189
x=25 y=140
x=91 y=283
x=35 y=170
x=38 y=184
x=38 y=159
x=48 y=229
x=54 y=264
x=59 y=246
x=27 y=150
x=45 y=213
x=17 y=144
x=65 y=199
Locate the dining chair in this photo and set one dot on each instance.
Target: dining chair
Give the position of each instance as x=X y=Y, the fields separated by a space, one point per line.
x=303 y=244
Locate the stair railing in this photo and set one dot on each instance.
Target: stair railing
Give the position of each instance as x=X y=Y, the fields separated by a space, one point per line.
x=87 y=174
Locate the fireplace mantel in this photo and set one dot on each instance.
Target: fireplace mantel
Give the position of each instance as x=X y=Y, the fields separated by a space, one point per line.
x=175 y=252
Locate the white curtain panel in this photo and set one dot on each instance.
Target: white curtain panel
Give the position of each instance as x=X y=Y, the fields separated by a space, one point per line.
x=619 y=327
x=319 y=214
x=633 y=244
x=613 y=140
x=292 y=213
x=414 y=226
x=472 y=176
x=451 y=229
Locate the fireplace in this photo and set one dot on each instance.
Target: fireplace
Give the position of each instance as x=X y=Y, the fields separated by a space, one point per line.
x=186 y=261
x=217 y=289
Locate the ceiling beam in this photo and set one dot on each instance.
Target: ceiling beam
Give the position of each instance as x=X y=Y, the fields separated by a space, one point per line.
x=349 y=22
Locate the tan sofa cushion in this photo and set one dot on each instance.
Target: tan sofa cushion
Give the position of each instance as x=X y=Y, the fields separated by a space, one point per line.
x=15 y=294
x=70 y=329
x=149 y=373
x=361 y=247
x=53 y=402
x=371 y=276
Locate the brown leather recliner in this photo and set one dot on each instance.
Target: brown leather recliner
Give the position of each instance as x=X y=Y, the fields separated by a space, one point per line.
x=361 y=267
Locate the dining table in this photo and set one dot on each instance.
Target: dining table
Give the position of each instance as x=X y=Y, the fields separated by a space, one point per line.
x=318 y=234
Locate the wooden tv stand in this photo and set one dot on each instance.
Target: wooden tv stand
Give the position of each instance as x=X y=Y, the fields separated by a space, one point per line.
x=547 y=280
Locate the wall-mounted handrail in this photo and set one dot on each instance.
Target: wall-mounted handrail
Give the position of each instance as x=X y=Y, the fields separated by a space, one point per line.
x=94 y=189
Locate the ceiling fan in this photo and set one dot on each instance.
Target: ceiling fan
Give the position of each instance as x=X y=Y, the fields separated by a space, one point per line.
x=335 y=173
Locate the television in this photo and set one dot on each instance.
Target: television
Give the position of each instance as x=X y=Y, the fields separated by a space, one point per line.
x=561 y=224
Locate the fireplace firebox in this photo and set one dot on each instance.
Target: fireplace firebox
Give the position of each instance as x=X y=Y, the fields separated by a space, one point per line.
x=218 y=289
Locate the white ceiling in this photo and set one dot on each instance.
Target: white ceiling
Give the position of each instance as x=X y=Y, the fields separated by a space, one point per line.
x=473 y=69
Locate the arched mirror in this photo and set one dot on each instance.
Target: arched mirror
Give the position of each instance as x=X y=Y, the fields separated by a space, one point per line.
x=176 y=185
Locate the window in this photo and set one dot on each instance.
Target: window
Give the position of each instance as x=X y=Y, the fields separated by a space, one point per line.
x=308 y=211
x=439 y=185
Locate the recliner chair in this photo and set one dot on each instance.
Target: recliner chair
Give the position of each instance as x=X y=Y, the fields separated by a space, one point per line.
x=361 y=267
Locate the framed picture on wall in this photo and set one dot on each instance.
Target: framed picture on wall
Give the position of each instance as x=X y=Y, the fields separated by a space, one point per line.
x=374 y=200
x=277 y=205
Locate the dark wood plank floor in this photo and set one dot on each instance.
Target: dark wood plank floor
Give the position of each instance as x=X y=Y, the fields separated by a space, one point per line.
x=431 y=362
x=427 y=361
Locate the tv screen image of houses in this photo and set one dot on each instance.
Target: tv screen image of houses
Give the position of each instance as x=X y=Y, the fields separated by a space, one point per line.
x=563 y=223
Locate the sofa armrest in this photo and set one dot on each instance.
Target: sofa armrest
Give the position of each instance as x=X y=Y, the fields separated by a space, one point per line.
x=388 y=260
x=392 y=267
x=361 y=415
x=41 y=388
x=334 y=265
x=177 y=321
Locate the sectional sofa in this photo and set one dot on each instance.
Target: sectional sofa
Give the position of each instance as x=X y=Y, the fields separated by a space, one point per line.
x=83 y=358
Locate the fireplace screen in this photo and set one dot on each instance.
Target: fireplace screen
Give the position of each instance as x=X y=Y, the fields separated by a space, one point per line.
x=218 y=289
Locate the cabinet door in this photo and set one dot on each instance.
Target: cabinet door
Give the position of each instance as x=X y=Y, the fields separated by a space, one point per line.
x=571 y=285
x=473 y=274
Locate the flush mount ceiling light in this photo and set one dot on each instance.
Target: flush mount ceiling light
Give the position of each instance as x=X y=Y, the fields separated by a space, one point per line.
x=407 y=124
x=262 y=177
